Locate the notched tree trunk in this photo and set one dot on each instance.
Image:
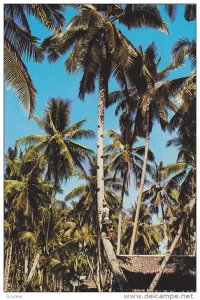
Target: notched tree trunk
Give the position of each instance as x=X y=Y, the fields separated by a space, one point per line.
x=114 y=264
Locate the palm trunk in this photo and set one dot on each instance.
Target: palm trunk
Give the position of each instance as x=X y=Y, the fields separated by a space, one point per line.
x=139 y=202
x=115 y=267
x=100 y=170
x=7 y=268
x=26 y=258
x=32 y=271
x=184 y=221
x=98 y=275
x=100 y=143
x=120 y=220
x=165 y=228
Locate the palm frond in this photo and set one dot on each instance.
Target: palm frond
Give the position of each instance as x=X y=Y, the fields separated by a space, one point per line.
x=77 y=192
x=79 y=134
x=17 y=77
x=181 y=49
x=60 y=43
x=173 y=168
x=22 y=41
x=51 y=15
x=138 y=15
x=171 y=10
x=190 y=12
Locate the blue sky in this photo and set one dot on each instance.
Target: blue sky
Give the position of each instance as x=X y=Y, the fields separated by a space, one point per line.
x=51 y=80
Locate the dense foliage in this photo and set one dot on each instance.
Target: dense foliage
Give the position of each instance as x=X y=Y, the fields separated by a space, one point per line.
x=53 y=245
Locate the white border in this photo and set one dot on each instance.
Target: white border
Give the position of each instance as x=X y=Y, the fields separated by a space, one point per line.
x=97 y=296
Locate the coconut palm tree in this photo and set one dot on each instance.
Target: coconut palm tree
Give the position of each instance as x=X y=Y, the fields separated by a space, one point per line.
x=87 y=194
x=185 y=122
x=147 y=103
x=149 y=235
x=155 y=104
x=166 y=179
x=86 y=206
x=25 y=193
x=100 y=49
x=125 y=159
x=20 y=43
x=57 y=149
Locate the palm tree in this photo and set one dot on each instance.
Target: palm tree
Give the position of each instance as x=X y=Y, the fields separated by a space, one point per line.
x=20 y=43
x=153 y=104
x=125 y=159
x=185 y=123
x=86 y=206
x=148 y=101
x=87 y=194
x=57 y=149
x=25 y=193
x=149 y=235
x=160 y=194
x=100 y=49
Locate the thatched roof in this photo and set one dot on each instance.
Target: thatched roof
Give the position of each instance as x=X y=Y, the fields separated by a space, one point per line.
x=149 y=264
x=179 y=275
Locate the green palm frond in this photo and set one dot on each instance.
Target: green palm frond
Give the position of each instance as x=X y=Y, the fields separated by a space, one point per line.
x=12 y=186
x=39 y=121
x=141 y=150
x=176 y=180
x=113 y=134
x=79 y=134
x=79 y=191
x=31 y=140
x=16 y=77
x=75 y=126
x=173 y=168
x=64 y=151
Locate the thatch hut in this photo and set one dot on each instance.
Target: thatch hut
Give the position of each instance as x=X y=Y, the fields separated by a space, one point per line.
x=179 y=274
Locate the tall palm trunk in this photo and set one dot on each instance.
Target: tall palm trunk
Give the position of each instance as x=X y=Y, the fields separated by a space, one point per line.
x=100 y=143
x=120 y=219
x=184 y=221
x=100 y=171
x=100 y=194
x=139 y=202
x=7 y=267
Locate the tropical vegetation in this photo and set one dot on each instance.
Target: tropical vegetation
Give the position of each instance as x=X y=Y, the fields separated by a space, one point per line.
x=56 y=245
